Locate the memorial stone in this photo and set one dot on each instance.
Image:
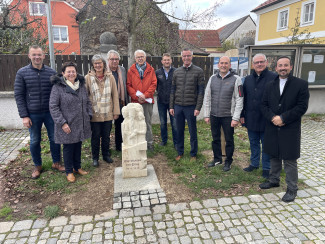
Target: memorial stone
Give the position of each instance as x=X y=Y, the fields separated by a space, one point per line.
x=134 y=146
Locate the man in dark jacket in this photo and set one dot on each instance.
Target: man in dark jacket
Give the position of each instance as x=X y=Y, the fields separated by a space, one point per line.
x=186 y=100
x=164 y=84
x=32 y=94
x=252 y=116
x=285 y=101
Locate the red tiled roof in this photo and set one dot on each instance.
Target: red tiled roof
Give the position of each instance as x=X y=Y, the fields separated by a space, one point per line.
x=201 y=38
x=266 y=4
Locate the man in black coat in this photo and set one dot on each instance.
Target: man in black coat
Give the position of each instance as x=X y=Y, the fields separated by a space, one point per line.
x=252 y=116
x=32 y=94
x=285 y=101
x=164 y=84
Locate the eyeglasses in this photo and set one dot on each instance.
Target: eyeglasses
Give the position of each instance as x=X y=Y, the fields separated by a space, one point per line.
x=259 y=62
x=114 y=59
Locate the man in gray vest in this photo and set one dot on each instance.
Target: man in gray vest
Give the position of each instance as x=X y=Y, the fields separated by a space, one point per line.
x=223 y=102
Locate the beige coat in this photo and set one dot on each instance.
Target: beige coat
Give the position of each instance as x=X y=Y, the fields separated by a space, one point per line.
x=113 y=102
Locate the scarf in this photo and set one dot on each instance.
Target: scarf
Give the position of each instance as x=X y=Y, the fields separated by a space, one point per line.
x=100 y=101
x=74 y=86
x=120 y=88
x=141 y=69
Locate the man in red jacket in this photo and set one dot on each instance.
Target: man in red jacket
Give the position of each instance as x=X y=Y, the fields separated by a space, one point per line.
x=141 y=86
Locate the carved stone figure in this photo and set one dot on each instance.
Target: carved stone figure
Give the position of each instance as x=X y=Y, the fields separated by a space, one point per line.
x=134 y=146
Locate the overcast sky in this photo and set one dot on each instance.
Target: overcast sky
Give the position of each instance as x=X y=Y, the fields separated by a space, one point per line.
x=230 y=10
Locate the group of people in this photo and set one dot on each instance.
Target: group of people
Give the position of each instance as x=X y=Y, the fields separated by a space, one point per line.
x=73 y=108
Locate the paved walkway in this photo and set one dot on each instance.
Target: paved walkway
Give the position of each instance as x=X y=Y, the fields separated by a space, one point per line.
x=254 y=219
x=10 y=142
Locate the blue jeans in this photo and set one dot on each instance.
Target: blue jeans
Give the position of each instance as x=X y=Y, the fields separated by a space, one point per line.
x=36 y=136
x=255 y=140
x=182 y=113
x=163 y=109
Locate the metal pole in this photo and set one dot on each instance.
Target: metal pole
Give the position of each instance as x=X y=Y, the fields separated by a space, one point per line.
x=50 y=33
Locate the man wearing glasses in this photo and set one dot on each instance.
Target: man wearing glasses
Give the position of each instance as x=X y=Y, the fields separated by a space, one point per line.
x=252 y=116
x=186 y=100
x=119 y=74
x=141 y=85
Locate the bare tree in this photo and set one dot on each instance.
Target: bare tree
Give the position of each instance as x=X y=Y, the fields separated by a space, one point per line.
x=133 y=13
x=17 y=29
x=300 y=36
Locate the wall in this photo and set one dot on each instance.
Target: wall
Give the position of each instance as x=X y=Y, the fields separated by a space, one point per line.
x=247 y=26
x=267 y=22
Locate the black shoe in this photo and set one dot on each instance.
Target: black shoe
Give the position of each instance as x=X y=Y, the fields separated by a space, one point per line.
x=213 y=163
x=266 y=173
x=250 y=168
x=268 y=185
x=163 y=143
x=289 y=196
x=227 y=167
x=119 y=149
x=95 y=163
x=108 y=160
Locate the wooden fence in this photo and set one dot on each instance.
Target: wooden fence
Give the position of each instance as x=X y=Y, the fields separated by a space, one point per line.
x=10 y=64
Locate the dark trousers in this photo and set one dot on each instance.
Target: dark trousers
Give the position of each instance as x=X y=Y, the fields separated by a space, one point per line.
x=182 y=113
x=291 y=170
x=118 y=132
x=216 y=124
x=72 y=157
x=163 y=109
x=100 y=130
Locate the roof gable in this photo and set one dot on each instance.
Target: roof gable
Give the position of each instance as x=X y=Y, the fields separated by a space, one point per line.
x=266 y=4
x=227 y=30
x=201 y=38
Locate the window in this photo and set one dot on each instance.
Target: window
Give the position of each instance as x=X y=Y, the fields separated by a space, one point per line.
x=37 y=8
x=308 y=13
x=60 y=34
x=283 y=17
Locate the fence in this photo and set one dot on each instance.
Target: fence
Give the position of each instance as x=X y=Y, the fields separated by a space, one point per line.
x=10 y=64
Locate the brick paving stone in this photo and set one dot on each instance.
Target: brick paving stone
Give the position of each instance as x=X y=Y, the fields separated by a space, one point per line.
x=195 y=205
x=240 y=200
x=59 y=221
x=142 y=211
x=210 y=203
x=177 y=207
x=106 y=216
x=225 y=201
x=185 y=240
x=6 y=226
x=124 y=213
x=159 y=209
x=22 y=225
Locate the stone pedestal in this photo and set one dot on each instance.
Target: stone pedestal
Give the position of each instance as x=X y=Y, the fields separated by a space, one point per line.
x=134 y=146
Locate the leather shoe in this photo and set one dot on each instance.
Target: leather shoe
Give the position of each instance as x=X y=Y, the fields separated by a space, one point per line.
x=268 y=185
x=179 y=157
x=227 y=167
x=95 y=163
x=250 y=168
x=57 y=166
x=81 y=172
x=213 y=163
x=37 y=172
x=71 y=178
x=289 y=196
x=108 y=160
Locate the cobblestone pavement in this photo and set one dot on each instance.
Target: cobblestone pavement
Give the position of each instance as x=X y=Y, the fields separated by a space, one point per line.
x=253 y=219
x=9 y=141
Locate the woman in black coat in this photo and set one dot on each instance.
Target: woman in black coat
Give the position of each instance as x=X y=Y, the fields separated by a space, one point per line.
x=71 y=111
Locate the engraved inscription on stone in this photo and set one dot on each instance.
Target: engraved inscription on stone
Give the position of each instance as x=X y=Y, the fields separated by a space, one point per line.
x=134 y=147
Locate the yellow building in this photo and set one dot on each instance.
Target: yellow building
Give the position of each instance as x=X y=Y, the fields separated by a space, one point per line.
x=277 y=18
